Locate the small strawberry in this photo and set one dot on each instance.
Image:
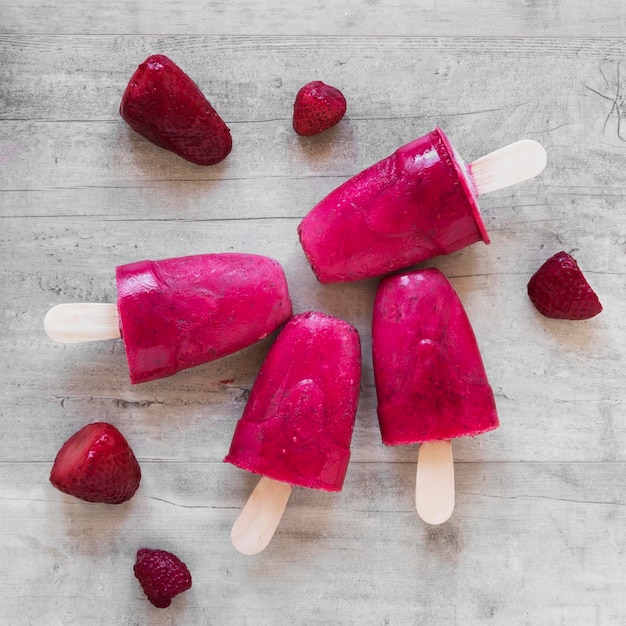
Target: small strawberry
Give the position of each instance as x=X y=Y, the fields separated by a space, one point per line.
x=96 y=464
x=317 y=107
x=165 y=106
x=558 y=289
x=162 y=575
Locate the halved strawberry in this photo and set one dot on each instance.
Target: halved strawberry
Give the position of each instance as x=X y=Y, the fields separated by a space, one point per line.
x=559 y=290
x=162 y=575
x=96 y=464
x=165 y=106
x=317 y=107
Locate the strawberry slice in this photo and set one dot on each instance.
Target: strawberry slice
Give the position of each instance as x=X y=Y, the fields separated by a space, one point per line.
x=162 y=575
x=96 y=464
x=165 y=106
x=559 y=290
x=317 y=107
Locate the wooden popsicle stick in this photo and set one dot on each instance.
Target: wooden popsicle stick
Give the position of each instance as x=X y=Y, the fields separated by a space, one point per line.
x=259 y=518
x=77 y=323
x=508 y=166
x=434 y=482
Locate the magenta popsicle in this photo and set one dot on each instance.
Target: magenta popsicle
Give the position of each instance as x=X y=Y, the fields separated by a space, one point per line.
x=413 y=205
x=430 y=380
x=418 y=203
x=178 y=313
x=298 y=422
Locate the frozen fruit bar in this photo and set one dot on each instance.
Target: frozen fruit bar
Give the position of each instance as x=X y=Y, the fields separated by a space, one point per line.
x=418 y=203
x=430 y=380
x=297 y=425
x=181 y=312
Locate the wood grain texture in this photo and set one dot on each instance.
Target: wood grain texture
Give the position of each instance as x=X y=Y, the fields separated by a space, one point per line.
x=538 y=530
x=349 y=17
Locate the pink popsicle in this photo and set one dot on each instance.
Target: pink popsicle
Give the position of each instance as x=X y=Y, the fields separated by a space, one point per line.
x=182 y=312
x=415 y=204
x=418 y=203
x=430 y=379
x=297 y=425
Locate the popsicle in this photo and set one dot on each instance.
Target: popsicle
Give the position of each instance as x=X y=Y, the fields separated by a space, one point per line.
x=297 y=424
x=430 y=380
x=181 y=312
x=418 y=203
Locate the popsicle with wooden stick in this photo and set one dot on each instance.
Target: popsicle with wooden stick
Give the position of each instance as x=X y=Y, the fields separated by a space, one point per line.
x=297 y=425
x=181 y=312
x=431 y=384
x=418 y=203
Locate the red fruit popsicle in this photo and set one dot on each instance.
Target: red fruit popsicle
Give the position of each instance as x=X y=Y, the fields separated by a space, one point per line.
x=418 y=203
x=431 y=384
x=297 y=425
x=178 y=313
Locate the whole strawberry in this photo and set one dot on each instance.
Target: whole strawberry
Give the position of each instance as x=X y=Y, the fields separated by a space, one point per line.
x=317 y=107
x=165 y=106
x=559 y=290
x=162 y=575
x=96 y=464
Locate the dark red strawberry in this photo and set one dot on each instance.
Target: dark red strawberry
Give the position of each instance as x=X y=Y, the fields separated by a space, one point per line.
x=317 y=107
x=165 y=106
x=558 y=289
x=162 y=575
x=96 y=464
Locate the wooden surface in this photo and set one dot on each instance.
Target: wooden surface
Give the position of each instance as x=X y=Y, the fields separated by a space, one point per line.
x=539 y=528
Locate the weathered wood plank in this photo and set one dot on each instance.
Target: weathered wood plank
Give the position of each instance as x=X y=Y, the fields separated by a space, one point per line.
x=350 y=17
x=369 y=559
x=254 y=79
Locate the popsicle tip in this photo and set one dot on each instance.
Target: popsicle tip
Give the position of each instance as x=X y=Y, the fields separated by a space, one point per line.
x=53 y=321
x=534 y=152
x=435 y=518
x=248 y=544
x=48 y=321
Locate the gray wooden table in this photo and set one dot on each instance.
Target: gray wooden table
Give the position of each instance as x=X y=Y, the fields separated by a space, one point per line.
x=538 y=533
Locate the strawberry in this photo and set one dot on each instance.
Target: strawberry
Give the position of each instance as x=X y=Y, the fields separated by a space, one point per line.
x=162 y=575
x=165 y=106
x=317 y=107
x=96 y=464
x=558 y=289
